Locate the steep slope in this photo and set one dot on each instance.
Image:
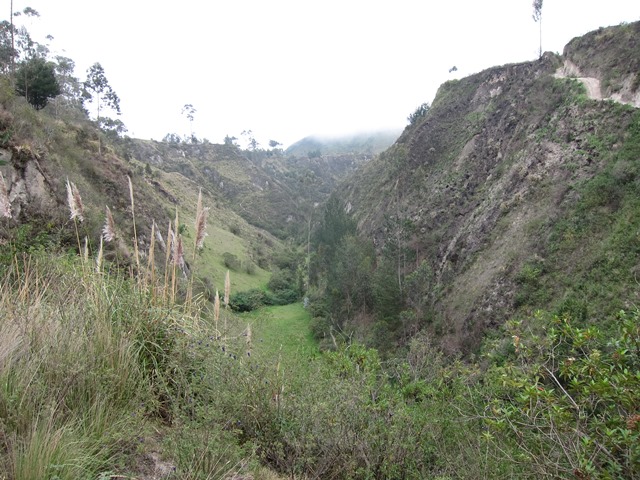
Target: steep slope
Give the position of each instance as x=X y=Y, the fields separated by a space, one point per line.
x=273 y=190
x=511 y=189
x=41 y=150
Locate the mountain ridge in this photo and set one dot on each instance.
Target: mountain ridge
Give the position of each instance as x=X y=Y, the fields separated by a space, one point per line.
x=486 y=176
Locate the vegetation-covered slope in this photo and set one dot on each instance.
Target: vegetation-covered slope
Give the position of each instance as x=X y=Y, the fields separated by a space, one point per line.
x=268 y=188
x=516 y=191
x=358 y=144
x=42 y=150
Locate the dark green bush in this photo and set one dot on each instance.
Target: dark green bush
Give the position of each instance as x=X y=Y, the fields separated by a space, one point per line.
x=281 y=297
x=247 y=301
x=282 y=280
x=231 y=261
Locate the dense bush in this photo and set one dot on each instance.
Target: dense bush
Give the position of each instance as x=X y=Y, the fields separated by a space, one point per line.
x=566 y=404
x=231 y=261
x=253 y=299
x=247 y=301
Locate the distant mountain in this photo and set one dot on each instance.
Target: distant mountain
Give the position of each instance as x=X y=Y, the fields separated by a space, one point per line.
x=369 y=143
x=271 y=189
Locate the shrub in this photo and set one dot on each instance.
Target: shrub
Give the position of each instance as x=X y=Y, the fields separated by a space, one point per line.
x=281 y=280
x=566 y=401
x=250 y=267
x=231 y=261
x=247 y=301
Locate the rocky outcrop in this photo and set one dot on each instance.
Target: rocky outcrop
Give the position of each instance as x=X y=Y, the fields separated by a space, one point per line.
x=30 y=190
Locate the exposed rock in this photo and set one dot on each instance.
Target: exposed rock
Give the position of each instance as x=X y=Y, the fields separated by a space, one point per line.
x=30 y=190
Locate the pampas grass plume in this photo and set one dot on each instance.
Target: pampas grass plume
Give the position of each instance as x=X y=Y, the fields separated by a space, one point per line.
x=86 y=250
x=99 y=258
x=227 y=289
x=75 y=202
x=109 y=229
x=216 y=308
x=201 y=222
x=133 y=219
x=159 y=238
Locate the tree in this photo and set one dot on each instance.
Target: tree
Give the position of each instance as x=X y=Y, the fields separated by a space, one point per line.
x=172 y=138
x=36 y=80
x=113 y=128
x=537 y=17
x=334 y=226
x=189 y=111
x=419 y=113
x=70 y=97
x=230 y=141
x=7 y=52
x=252 y=143
x=97 y=88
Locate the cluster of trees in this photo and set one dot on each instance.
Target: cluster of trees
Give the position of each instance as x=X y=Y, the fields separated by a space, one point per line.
x=41 y=79
x=356 y=292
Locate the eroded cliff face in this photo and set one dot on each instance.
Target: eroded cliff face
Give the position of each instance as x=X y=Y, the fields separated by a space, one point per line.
x=611 y=57
x=480 y=184
x=30 y=190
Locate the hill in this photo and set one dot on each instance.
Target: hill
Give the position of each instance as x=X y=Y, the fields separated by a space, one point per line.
x=516 y=191
x=363 y=143
x=271 y=189
x=44 y=150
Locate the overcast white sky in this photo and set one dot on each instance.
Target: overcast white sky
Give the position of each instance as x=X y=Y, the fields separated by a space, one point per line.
x=291 y=68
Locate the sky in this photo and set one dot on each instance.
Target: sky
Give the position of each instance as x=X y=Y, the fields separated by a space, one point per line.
x=287 y=69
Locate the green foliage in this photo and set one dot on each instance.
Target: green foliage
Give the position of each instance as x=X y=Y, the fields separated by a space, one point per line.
x=282 y=280
x=418 y=114
x=566 y=402
x=114 y=128
x=247 y=301
x=97 y=88
x=231 y=261
x=250 y=300
x=36 y=80
x=531 y=291
x=335 y=225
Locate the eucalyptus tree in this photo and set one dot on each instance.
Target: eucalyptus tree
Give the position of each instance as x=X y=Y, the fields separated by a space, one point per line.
x=96 y=88
x=189 y=111
x=537 y=17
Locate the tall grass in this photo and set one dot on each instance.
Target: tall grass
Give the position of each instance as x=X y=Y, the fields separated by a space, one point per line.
x=88 y=357
x=70 y=368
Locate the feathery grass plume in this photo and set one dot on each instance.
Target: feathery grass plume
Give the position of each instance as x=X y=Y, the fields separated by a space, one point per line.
x=5 y=203
x=201 y=224
x=167 y=260
x=216 y=309
x=227 y=289
x=151 y=259
x=133 y=218
x=248 y=338
x=75 y=202
x=85 y=250
x=109 y=229
x=179 y=254
x=159 y=238
x=99 y=258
